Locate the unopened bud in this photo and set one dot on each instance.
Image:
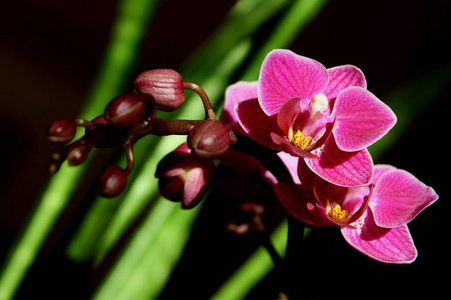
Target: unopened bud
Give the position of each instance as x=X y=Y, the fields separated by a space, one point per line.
x=164 y=85
x=112 y=182
x=77 y=152
x=60 y=131
x=209 y=139
x=125 y=110
x=184 y=177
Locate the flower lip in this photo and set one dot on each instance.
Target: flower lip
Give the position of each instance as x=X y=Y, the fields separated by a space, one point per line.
x=306 y=127
x=343 y=205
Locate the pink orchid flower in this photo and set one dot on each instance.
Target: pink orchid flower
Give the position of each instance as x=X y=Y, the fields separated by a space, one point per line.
x=325 y=116
x=373 y=218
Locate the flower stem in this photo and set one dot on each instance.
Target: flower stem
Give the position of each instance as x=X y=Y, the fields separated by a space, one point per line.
x=209 y=113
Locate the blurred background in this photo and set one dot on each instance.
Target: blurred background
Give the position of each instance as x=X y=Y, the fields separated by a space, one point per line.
x=50 y=52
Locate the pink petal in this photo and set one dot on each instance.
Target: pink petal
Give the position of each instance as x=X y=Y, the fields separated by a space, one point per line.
x=234 y=94
x=342 y=77
x=399 y=197
x=287 y=114
x=380 y=170
x=301 y=203
x=285 y=75
x=382 y=244
x=306 y=176
x=291 y=163
x=256 y=123
x=360 y=119
x=340 y=167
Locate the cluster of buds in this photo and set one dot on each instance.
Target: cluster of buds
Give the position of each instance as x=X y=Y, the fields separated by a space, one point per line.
x=131 y=116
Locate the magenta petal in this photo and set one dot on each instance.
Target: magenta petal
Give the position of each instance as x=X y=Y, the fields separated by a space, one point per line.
x=256 y=123
x=382 y=244
x=380 y=170
x=342 y=77
x=301 y=203
x=360 y=119
x=285 y=75
x=398 y=197
x=287 y=114
x=340 y=167
x=291 y=163
x=234 y=94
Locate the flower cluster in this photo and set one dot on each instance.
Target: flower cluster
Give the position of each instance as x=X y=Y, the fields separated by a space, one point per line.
x=132 y=116
x=316 y=122
x=321 y=121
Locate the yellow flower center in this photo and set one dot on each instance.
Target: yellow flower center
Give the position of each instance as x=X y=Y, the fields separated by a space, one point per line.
x=338 y=214
x=299 y=140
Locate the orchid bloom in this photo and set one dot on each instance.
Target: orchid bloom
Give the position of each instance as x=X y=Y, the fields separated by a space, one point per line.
x=325 y=116
x=373 y=218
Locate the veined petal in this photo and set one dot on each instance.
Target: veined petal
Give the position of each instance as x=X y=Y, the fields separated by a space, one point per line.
x=398 y=198
x=379 y=170
x=340 y=167
x=301 y=203
x=234 y=94
x=342 y=77
x=285 y=75
x=256 y=123
x=389 y=245
x=360 y=119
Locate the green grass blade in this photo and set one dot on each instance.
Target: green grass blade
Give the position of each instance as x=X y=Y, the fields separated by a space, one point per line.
x=121 y=51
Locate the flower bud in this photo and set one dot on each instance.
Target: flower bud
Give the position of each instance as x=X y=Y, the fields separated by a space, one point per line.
x=112 y=182
x=60 y=131
x=77 y=152
x=209 y=139
x=164 y=85
x=125 y=110
x=184 y=177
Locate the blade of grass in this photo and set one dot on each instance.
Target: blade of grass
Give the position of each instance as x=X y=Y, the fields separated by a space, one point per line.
x=121 y=52
x=142 y=268
x=254 y=269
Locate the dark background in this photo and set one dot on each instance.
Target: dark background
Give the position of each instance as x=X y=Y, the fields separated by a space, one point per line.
x=50 y=51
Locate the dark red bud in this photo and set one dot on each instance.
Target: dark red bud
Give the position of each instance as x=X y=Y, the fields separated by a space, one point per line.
x=164 y=85
x=184 y=177
x=209 y=139
x=125 y=110
x=61 y=131
x=112 y=182
x=77 y=152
